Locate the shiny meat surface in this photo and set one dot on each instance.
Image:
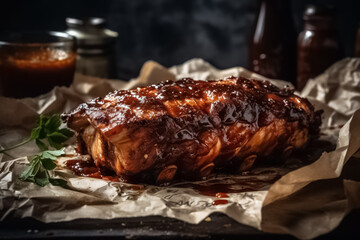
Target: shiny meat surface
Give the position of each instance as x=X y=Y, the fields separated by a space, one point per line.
x=187 y=129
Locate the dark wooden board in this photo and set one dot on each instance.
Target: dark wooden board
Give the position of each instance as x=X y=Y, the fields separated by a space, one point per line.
x=155 y=227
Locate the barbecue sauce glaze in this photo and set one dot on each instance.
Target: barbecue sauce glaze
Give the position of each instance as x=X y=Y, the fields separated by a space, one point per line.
x=177 y=129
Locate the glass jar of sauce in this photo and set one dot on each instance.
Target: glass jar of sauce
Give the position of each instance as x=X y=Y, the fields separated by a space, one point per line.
x=33 y=63
x=95 y=46
x=272 y=49
x=318 y=45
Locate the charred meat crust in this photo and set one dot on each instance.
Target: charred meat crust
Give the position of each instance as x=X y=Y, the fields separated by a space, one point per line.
x=189 y=128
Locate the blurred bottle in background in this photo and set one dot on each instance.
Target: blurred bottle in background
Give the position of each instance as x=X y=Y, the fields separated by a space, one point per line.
x=318 y=44
x=272 y=50
x=357 y=43
x=95 y=47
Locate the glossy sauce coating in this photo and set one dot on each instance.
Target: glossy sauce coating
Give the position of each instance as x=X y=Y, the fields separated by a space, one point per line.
x=188 y=128
x=246 y=100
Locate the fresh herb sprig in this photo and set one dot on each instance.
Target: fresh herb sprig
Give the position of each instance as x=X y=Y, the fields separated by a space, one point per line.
x=46 y=134
x=40 y=164
x=47 y=128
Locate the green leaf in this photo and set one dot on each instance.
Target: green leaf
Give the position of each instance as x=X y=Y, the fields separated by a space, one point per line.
x=42 y=120
x=47 y=155
x=54 y=144
x=31 y=171
x=42 y=177
x=41 y=145
x=65 y=131
x=37 y=167
x=35 y=133
x=42 y=181
x=46 y=128
x=39 y=131
x=41 y=124
x=56 y=153
x=27 y=172
x=58 y=182
x=58 y=137
x=42 y=133
x=53 y=123
x=48 y=163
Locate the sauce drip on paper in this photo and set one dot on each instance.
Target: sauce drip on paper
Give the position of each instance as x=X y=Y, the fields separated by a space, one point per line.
x=88 y=169
x=220 y=202
x=217 y=190
x=221 y=190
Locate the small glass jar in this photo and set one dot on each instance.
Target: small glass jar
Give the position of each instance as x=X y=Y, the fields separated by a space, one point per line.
x=318 y=45
x=95 y=46
x=32 y=63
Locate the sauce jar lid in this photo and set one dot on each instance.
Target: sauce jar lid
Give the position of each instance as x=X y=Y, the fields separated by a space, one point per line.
x=90 y=32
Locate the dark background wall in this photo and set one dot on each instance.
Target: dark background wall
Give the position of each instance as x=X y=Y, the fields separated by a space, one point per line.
x=171 y=31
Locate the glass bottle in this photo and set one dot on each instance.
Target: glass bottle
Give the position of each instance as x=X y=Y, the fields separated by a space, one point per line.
x=318 y=45
x=357 y=43
x=95 y=46
x=272 y=47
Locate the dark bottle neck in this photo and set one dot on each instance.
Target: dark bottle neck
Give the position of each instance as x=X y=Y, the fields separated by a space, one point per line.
x=319 y=24
x=274 y=20
x=275 y=12
x=282 y=7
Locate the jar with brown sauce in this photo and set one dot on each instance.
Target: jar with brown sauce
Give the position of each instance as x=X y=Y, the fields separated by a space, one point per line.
x=272 y=49
x=33 y=63
x=318 y=45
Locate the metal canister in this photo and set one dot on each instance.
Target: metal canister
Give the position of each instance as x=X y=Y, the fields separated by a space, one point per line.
x=95 y=46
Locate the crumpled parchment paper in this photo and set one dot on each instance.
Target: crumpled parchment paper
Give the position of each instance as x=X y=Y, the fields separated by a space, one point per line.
x=304 y=201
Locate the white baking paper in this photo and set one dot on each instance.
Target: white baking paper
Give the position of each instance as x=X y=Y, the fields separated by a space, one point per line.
x=290 y=199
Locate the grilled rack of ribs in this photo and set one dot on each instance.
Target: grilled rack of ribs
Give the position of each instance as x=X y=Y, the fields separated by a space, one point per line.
x=188 y=128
